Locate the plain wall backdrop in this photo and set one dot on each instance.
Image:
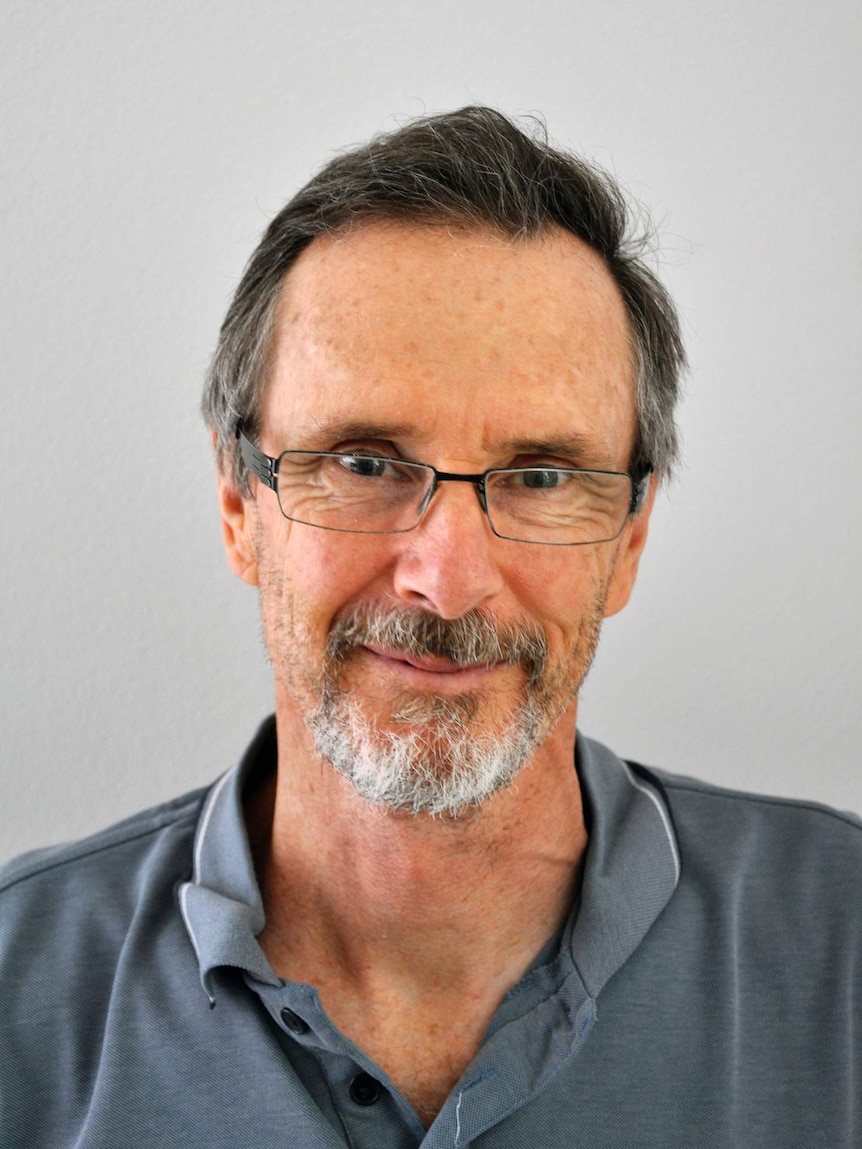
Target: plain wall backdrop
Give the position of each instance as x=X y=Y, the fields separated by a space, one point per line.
x=146 y=146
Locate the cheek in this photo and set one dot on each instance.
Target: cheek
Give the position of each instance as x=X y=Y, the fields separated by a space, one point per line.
x=329 y=569
x=556 y=589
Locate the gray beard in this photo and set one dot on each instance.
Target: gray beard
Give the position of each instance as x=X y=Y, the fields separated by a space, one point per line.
x=433 y=759
x=437 y=765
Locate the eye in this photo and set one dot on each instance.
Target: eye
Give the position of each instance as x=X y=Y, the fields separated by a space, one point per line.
x=368 y=466
x=542 y=478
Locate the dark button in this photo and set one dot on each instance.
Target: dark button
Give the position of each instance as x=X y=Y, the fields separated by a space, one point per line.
x=364 y=1089
x=293 y=1021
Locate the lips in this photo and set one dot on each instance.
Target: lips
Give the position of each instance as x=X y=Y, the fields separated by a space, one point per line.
x=431 y=663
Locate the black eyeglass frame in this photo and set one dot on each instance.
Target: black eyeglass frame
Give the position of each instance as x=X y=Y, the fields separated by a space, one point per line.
x=265 y=467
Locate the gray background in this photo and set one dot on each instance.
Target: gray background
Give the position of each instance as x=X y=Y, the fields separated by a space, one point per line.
x=144 y=148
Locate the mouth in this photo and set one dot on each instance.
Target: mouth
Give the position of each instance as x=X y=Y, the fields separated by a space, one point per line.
x=414 y=650
x=428 y=666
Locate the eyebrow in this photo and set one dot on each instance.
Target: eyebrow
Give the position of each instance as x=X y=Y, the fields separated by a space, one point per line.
x=357 y=429
x=571 y=444
x=580 y=448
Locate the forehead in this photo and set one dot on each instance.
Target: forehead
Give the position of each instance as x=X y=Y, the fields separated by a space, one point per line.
x=465 y=338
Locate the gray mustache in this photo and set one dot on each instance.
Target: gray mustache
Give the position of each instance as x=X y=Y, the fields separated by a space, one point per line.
x=474 y=637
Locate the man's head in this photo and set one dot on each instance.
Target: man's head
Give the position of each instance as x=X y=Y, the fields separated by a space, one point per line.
x=472 y=168
x=428 y=649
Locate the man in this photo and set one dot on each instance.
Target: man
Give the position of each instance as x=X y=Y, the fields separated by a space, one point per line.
x=424 y=909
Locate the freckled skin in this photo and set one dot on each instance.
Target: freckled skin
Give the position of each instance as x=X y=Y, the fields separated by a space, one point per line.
x=461 y=341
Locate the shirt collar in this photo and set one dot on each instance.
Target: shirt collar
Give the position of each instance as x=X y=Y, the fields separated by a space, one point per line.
x=222 y=906
x=631 y=868
x=632 y=865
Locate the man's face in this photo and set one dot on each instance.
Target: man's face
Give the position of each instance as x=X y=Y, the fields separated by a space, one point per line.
x=431 y=665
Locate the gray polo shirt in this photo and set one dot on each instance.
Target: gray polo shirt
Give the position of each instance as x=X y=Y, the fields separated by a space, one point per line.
x=705 y=990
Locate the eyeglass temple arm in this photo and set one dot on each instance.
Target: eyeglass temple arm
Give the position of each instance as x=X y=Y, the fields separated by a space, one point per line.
x=264 y=466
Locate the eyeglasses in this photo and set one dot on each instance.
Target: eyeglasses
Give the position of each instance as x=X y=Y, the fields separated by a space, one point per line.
x=377 y=494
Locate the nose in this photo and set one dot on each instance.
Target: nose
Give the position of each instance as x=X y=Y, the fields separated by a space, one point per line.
x=449 y=563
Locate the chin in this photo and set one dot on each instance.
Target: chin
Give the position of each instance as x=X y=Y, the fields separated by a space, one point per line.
x=434 y=756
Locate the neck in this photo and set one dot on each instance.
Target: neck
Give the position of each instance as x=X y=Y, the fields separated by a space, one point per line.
x=366 y=897
x=412 y=928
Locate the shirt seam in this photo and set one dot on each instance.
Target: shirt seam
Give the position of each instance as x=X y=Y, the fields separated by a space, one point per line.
x=48 y=865
x=761 y=800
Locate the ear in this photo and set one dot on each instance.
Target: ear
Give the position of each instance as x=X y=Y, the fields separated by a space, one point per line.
x=237 y=525
x=631 y=547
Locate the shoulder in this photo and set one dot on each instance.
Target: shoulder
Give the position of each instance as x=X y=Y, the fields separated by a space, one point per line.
x=138 y=831
x=780 y=858
x=51 y=896
x=89 y=931
x=736 y=814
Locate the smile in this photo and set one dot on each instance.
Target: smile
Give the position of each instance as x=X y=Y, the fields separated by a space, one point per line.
x=430 y=667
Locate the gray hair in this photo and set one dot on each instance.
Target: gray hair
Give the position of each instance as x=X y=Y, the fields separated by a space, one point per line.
x=472 y=168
